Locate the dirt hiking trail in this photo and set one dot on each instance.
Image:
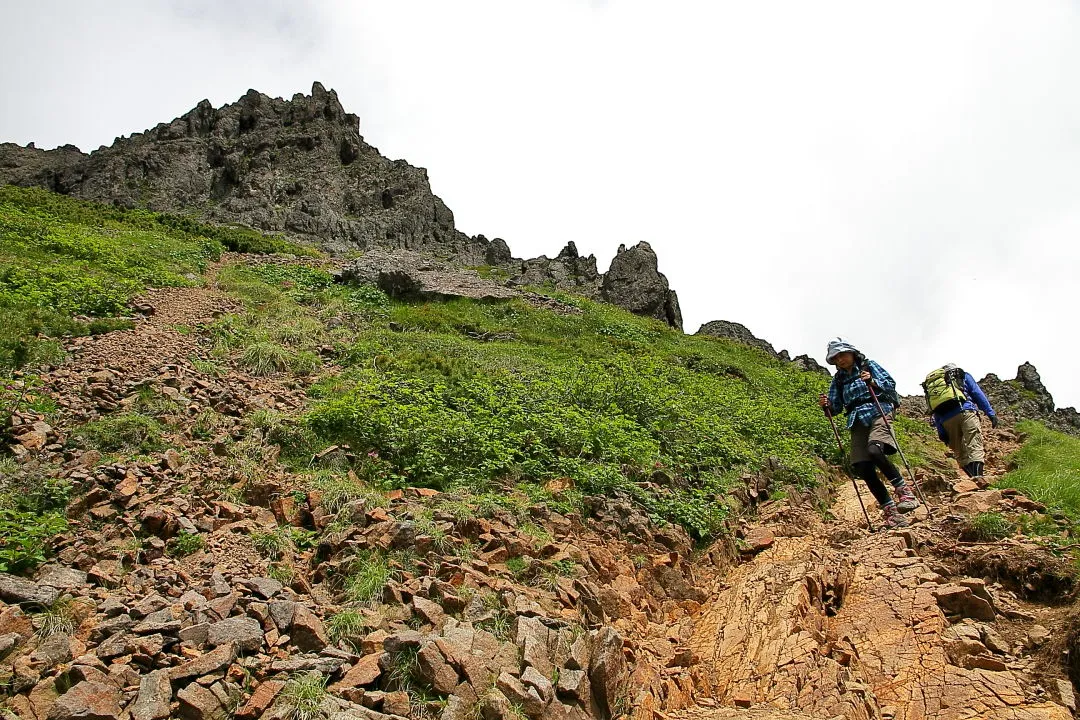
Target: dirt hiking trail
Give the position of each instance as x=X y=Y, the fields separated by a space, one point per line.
x=835 y=622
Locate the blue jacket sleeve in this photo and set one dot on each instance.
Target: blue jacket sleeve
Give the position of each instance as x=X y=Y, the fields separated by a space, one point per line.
x=881 y=378
x=976 y=393
x=836 y=402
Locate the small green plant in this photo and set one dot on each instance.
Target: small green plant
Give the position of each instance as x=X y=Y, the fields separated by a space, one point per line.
x=367 y=576
x=271 y=543
x=303 y=539
x=305 y=694
x=25 y=537
x=208 y=367
x=185 y=544
x=499 y=624
x=125 y=432
x=404 y=670
x=283 y=572
x=347 y=625
x=59 y=619
x=304 y=362
x=340 y=490
x=207 y=424
x=465 y=550
x=987 y=527
x=518 y=566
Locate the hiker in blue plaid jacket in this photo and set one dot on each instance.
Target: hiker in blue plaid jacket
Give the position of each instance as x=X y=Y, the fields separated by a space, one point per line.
x=871 y=442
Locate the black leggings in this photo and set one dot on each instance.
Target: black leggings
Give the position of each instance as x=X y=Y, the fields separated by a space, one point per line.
x=879 y=454
x=868 y=473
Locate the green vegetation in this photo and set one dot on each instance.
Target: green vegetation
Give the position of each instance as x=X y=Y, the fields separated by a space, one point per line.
x=609 y=402
x=63 y=259
x=616 y=403
x=59 y=619
x=367 y=576
x=185 y=544
x=31 y=515
x=348 y=625
x=305 y=694
x=124 y=432
x=271 y=543
x=1048 y=469
x=987 y=527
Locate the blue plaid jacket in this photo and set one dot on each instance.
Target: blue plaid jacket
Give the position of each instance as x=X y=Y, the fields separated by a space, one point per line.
x=849 y=393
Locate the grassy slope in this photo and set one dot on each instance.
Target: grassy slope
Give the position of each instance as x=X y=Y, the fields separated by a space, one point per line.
x=1048 y=469
x=614 y=402
x=61 y=258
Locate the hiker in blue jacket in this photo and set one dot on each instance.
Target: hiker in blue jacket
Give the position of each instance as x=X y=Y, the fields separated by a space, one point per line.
x=957 y=423
x=871 y=442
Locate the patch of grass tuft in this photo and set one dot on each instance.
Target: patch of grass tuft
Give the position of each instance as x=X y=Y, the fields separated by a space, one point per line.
x=185 y=544
x=987 y=527
x=124 y=432
x=305 y=693
x=367 y=576
x=1047 y=469
x=266 y=358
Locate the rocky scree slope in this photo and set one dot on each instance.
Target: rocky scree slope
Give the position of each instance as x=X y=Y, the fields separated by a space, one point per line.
x=301 y=168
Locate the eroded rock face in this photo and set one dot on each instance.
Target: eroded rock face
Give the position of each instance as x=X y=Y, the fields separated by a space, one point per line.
x=633 y=282
x=295 y=166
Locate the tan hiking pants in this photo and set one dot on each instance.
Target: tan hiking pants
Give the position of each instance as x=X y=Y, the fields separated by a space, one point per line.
x=965 y=438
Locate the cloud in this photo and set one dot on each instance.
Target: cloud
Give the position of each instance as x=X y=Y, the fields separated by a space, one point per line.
x=905 y=175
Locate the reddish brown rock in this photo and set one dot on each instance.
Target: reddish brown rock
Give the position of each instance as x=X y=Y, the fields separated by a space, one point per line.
x=88 y=701
x=307 y=630
x=364 y=672
x=260 y=700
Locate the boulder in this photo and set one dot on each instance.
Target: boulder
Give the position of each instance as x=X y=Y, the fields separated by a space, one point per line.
x=199 y=703
x=307 y=630
x=737 y=332
x=634 y=283
x=959 y=600
x=20 y=591
x=608 y=671
x=88 y=701
x=243 y=632
x=155 y=695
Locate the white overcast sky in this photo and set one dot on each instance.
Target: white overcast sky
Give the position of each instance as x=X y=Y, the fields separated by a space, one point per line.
x=904 y=174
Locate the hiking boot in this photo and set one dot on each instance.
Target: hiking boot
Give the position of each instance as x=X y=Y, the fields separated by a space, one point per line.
x=905 y=499
x=892 y=517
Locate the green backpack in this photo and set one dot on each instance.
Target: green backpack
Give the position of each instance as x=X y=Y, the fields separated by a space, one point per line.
x=943 y=385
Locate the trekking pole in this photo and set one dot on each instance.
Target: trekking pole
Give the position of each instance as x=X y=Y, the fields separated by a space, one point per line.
x=840 y=444
x=896 y=444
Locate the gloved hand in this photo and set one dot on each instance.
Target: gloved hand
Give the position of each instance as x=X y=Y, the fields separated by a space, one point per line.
x=994 y=422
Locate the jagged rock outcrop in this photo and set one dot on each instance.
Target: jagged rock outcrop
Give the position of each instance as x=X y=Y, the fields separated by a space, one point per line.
x=738 y=332
x=294 y=166
x=634 y=282
x=567 y=271
x=1026 y=398
x=401 y=274
x=300 y=168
